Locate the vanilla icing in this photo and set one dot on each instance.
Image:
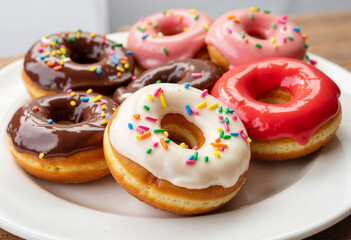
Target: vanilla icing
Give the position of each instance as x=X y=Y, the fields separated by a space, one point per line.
x=173 y=164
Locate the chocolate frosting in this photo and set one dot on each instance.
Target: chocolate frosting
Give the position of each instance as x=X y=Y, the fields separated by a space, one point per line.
x=74 y=128
x=83 y=52
x=174 y=72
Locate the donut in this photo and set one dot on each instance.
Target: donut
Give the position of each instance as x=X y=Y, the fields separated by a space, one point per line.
x=177 y=149
x=201 y=74
x=59 y=137
x=244 y=35
x=176 y=34
x=76 y=60
x=289 y=108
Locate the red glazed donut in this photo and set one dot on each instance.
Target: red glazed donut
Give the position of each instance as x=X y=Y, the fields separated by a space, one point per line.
x=305 y=118
x=245 y=35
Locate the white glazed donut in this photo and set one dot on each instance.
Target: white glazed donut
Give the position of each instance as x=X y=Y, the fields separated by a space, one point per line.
x=217 y=158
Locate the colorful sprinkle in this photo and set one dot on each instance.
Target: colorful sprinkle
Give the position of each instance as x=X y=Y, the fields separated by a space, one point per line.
x=234 y=134
x=145 y=135
x=84 y=99
x=205 y=26
x=50 y=121
x=155 y=144
x=159 y=130
x=163 y=143
x=35 y=108
x=187 y=85
x=150 y=97
x=165 y=51
x=204 y=92
x=187 y=108
x=57 y=68
x=217 y=154
x=144 y=36
x=98 y=71
x=148 y=151
x=163 y=102
x=92 y=69
x=201 y=105
x=98 y=98
x=258 y=45
x=103 y=122
x=243 y=35
x=229 y=30
x=190 y=162
x=151 y=119
x=136 y=116
x=41 y=155
x=196 y=75
x=157 y=91
x=206 y=158
x=73 y=103
x=147 y=108
x=213 y=106
x=140 y=29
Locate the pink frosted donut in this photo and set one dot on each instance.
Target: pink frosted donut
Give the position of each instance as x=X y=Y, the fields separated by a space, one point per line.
x=176 y=34
x=244 y=35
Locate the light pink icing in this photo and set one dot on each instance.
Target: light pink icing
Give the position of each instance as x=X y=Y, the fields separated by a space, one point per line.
x=148 y=46
x=226 y=36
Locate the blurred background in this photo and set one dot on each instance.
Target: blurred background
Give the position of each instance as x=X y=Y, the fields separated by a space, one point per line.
x=22 y=22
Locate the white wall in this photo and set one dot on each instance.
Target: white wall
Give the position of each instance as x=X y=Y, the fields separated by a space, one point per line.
x=127 y=12
x=23 y=22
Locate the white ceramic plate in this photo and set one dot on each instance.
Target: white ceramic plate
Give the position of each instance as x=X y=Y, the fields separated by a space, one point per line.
x=292 y=199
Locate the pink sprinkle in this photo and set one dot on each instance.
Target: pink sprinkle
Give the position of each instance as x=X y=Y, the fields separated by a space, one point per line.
x=194 y=111
x=284 y=28
x=243 y=135
x=139 y=131
x=284 y=40
x=143 y=127
x=157 y=91
x=134 y=77
x=69 y=91
x=142 y=19
x=226 y=127
x=40 y=50
x=204 y=92
x=229 y=30
x=234 y=117
x=189 y=162
x=312 y=62
x=102 y=41
x=240 y=131
x=220 y=117
x=281 y=21
x=196 y=75
x=63 y=46
x=151 y=119
x=221 y=149
x=195 y=148
x=285 y=17
x=111 y=52
x=155 y=144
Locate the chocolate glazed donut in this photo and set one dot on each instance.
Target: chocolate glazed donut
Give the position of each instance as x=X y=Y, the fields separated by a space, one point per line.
x=59 y=137
x=76 y=60
x=201 y=74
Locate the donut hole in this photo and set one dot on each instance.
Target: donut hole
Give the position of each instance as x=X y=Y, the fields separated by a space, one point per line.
x=275 y=96
x=171 y=27
x=82 y=53
x=257 y=34
x=182 y=131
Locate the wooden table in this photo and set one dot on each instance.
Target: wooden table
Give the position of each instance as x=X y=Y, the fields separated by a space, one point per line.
x=329 y=37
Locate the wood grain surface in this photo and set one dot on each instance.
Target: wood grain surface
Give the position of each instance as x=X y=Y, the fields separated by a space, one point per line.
x=329 y=37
